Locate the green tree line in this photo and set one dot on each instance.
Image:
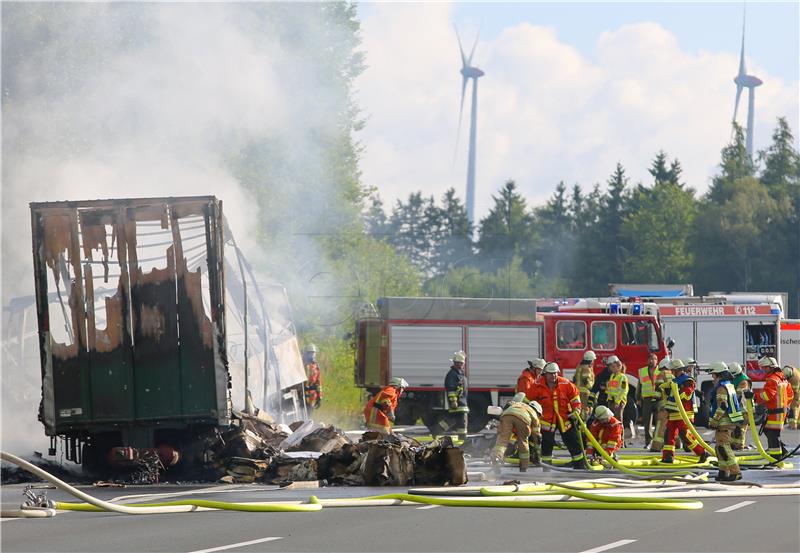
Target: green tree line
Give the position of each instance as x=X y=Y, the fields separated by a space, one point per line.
x=743 y=234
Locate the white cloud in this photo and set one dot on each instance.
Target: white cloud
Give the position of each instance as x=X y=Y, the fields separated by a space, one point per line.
x=546 y=112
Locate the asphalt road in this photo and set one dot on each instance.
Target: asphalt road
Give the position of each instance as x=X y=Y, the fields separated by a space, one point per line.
x=737 y=524
x=733 y=524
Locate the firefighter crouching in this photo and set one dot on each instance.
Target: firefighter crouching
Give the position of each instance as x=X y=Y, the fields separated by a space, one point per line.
x=727 y=416
x=777 y=395
x=792 y=375
x=522 y=419
x=741 y=383
x=527 y=380
x=379 y=412
x=584 y=380
x=607 y=430
x=662 y=417
x=675 y=424
x=455 y=386
x=560 y=401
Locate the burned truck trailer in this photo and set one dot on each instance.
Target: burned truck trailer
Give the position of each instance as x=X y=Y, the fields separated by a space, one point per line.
x=133 y=353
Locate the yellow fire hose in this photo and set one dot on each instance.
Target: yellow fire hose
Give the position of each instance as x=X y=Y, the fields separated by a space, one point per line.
x=613 y=462
x=586 y=495
x=502 y=502
x=221 y=505
x=676 y=394
x=757 y=441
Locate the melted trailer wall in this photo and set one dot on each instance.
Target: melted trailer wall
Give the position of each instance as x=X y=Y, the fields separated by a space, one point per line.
x=132 y=342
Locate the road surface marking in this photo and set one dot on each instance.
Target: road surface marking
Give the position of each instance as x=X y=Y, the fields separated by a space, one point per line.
x=619 y=543
x=734 y=507
x=234 y=545
x=427 y=507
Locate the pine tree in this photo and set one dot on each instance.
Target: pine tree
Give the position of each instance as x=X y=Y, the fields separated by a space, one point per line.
x=507 y=231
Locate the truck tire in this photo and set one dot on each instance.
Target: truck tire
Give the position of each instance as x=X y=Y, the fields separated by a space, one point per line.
x=703 y=412
x=478 y=418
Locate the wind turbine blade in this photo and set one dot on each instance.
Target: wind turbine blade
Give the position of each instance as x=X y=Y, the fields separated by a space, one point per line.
x=736 y=104
x=460 y=113
x=460 y=48
x=469 y=61
x=742 y=68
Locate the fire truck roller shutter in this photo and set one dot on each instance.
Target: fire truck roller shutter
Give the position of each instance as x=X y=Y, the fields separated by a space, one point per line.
x=421 y=353
x=683 y=334
x=497 y=354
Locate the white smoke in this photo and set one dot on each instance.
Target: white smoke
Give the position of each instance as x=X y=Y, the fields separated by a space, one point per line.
x=142 y=100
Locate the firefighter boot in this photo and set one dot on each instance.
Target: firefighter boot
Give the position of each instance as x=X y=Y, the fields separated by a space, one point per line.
x=523 y=465
x=667 y=457
x=703 y=457
x=722 y=476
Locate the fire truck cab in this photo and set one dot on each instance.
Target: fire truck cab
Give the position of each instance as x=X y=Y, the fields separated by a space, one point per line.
x=414 y=338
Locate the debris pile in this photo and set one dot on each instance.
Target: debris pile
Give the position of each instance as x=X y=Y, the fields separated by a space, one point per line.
x=254 y=450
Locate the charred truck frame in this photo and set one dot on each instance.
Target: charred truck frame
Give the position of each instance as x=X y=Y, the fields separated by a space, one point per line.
x=133 y=354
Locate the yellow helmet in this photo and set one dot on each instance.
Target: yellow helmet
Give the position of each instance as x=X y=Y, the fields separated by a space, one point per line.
x=459 y=357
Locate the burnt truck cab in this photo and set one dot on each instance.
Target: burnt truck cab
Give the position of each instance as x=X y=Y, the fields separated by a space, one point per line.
x=414 y=338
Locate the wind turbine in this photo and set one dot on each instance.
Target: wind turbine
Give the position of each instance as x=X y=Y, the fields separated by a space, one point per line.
x=743 y=80
x=469 y=72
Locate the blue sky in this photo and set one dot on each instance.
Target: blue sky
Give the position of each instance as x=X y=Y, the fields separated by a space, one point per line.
x=570 y=90
x=772 y=27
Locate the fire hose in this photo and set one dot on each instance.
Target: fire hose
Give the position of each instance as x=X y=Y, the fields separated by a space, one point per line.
x=616 y=464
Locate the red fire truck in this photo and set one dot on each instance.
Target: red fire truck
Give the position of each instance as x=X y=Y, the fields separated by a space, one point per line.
x=414 y=338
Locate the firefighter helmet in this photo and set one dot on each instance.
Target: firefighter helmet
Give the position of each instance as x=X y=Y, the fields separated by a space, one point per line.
x=311 y=348
x=612 y=359
x=768 y=362
x=589 y=356
x=664 y=363
x=735 y=368
x=787 y=371
x=519 y=397
x=603 y=413
x=676 y=365
x=537 y=407
x=459 y=357
x=718 y=367
x=537 y=363
x=398 y=382
x=552 y=368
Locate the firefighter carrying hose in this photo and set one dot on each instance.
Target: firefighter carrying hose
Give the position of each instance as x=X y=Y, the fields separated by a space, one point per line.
x=792 y=376
x=584 y=380
x=662 y=417
x=675 y=423
x=727 y=415
x=560 y=402
x=741 y=382
x=455 y=386
x=379 y=411
x=522 y=419
x=777 y=395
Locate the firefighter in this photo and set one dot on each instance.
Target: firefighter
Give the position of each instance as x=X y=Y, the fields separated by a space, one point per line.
x=792 y=376
x=777 y=395
x=607 y=430
x=527 y=379
x=617 y=388
x=675 y=423
x=661 y=412
x=560 y=401
x=379 y=411
x=727 y=415
x=455 y=386
x=647 y=395
x=741 y=382
x=313 y=385
x=584 y=380
x=522 y=419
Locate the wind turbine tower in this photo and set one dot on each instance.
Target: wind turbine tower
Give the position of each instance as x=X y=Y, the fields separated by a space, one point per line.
x=469 y=72
x=743 y=80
